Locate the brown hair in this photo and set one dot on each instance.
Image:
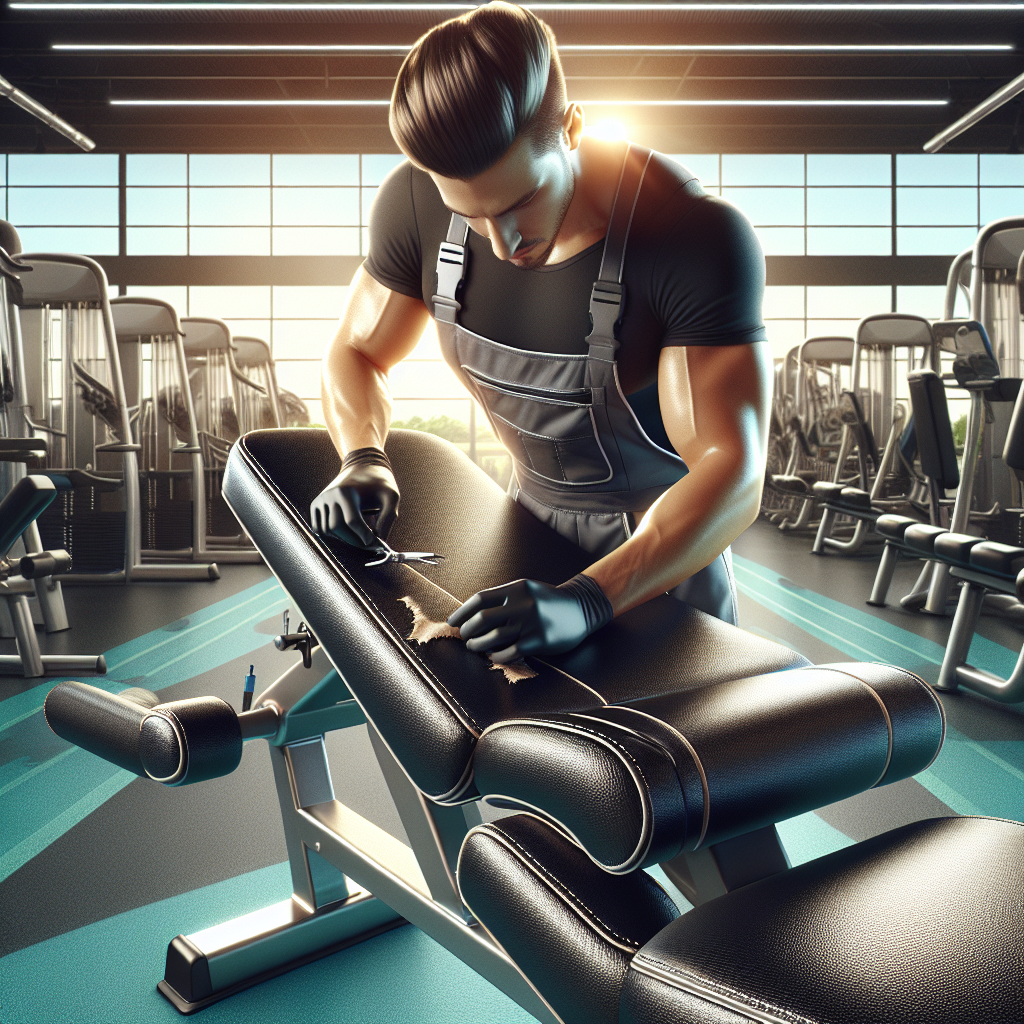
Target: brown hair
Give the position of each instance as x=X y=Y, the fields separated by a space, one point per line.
x=472 y=85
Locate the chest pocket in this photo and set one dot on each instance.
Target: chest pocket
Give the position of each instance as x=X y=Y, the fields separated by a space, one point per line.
x=551 y=433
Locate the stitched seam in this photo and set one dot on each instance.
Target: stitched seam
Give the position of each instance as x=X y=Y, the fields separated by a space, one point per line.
x=332 y=564
x=565 y=890
x=558 y=455
x=725 y=990
x=648 y=816
x=931 y=693
x=885 y=715
x=706 y=817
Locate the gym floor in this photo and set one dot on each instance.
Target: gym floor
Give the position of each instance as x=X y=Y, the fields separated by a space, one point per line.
x=99 y=869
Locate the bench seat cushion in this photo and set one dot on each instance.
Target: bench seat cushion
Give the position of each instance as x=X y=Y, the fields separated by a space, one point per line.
x=431 y=701
x=1003 y=560
x=638 y=783
x=921 y=924
x=893 y=527
x=921 y=538
x=955 y=548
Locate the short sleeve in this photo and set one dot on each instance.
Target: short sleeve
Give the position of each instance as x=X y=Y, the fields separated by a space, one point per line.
x=708 y=279
x=394 y=252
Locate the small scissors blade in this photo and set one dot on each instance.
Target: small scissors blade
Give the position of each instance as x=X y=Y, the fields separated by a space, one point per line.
x=388 y=554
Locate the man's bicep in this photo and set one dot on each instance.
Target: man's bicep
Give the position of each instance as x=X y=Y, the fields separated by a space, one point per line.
x=380 y=324
x=716 y=397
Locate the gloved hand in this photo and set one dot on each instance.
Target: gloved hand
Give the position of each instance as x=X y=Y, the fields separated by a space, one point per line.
x=345 y=507
x=528 y=617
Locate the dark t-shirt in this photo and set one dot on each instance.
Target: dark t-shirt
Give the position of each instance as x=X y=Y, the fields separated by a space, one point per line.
x=694 y=275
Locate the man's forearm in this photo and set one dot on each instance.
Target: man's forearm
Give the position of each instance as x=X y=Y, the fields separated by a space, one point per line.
x=356 y=399
x=687 y=528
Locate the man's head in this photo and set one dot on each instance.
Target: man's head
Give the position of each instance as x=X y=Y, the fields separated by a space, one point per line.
x=480 y=104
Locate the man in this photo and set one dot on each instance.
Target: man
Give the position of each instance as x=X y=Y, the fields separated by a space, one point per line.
x=602 y=308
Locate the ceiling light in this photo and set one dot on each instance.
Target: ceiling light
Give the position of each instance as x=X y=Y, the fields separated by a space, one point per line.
x=591 y=103
x=653 y=48
x=184 y=5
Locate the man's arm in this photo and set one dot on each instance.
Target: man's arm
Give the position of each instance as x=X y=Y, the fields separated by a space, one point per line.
x=715 y=403
x=378 y=329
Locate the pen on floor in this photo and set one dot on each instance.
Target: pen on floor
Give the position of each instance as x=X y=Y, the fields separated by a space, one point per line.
x=250 y=687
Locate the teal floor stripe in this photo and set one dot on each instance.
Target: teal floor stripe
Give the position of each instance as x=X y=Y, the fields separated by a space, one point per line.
x=106 y=973
x=969 y=776
x=45 y=796
x=154 y=654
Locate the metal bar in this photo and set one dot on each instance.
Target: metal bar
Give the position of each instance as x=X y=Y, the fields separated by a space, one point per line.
x=46 y=116
x=972 y=117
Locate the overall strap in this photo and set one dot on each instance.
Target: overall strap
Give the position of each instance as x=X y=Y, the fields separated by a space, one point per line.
x=451 y=268
x=607 y=299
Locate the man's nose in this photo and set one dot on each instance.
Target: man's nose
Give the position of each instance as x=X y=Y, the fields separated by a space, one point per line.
x=505 y=238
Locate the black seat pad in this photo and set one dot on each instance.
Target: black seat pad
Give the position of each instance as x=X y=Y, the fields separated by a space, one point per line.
x=894 y=527
x=1003 y=560
x=920 y=538
x=789 y=484
x=827 y=491
x=921 y=924
x=855 y=498
x=955 y=548
x=430 y=702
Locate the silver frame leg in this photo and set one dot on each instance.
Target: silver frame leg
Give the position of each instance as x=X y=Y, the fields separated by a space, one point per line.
x=883 y=577
x=338 y=858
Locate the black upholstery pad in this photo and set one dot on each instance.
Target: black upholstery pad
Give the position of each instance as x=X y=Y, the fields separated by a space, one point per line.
x=921 y=925
x=826 y=491
x=789 y=484
x=634 y=784
x=855 y=497
x=1000 y=559
x=429 y=702
x=893 y=526
x=921 y=538
x=520 y=877
x=955 y=548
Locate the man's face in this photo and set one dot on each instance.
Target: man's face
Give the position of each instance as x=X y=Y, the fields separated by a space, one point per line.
x=518 y=204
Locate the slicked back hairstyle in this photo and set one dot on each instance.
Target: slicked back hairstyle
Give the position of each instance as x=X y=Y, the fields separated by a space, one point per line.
x=472 y=85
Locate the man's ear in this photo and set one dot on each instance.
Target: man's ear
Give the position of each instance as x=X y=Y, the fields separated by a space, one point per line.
x=572 y=125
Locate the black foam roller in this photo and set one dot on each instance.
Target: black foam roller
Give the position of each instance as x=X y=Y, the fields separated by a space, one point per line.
x=97 y=721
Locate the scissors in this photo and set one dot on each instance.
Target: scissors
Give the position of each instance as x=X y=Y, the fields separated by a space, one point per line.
x=390 y=555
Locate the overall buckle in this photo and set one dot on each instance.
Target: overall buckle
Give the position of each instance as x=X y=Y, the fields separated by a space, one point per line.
x=451 y=259
x=606 y=302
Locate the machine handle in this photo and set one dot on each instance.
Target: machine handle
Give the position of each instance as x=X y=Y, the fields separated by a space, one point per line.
x=24 y=504
x=45 y=563
x=176 y=743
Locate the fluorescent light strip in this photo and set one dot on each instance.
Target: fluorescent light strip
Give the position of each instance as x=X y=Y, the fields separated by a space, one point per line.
x=549 y=7
x=565 y=48
x=592 y=103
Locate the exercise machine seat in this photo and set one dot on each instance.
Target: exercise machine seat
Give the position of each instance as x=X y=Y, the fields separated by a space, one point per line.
x=431 y=702
x=638 y=783
x=1003 y=560
x=827 y=491
x=921 y=538
x=893 y=527
x=920 y=925
x=955 y=548
x=790 y=484
x=855 y=498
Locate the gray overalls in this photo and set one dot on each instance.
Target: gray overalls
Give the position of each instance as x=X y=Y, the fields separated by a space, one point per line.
x=583 y=464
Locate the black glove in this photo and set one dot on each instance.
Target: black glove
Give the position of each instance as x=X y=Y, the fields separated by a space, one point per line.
x=346 y=506
x=528 y=617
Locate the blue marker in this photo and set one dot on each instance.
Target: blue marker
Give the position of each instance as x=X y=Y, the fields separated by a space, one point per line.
x=250 y=687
